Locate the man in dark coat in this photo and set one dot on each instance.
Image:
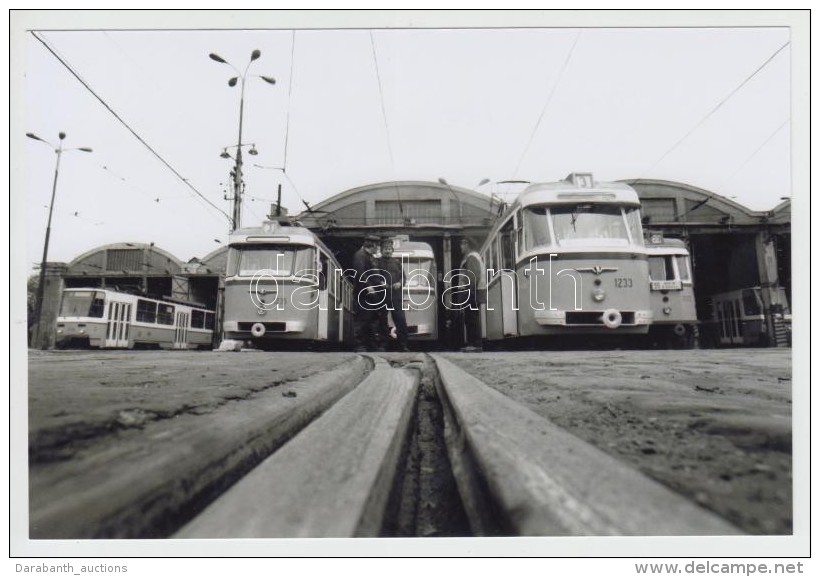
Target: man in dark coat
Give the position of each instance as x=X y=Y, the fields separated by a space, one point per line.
x=366 y=319
x=394 y=275
x=471 y=265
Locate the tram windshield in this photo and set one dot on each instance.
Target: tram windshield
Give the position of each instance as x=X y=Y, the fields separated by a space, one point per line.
x=417 y=272
x=271 y=260
x=83 y=304
x=574 y=225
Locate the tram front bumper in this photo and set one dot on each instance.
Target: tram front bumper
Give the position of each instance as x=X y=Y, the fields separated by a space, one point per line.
x=271 y=328
x=589 y=318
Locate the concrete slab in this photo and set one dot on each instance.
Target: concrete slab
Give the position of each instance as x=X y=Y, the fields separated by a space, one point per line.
x=331 y=480
x=545 y=481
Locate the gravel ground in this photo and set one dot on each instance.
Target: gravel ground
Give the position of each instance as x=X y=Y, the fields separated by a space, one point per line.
x=81 y=398
x=712 y=425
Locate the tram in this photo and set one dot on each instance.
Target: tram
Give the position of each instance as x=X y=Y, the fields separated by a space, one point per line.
x=109 y=319
x=419 y=290
x=671 y=293
x=282 y=284
x=567 y=258
x=739 y=318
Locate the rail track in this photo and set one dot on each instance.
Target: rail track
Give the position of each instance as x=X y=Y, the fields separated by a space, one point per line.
x=383 y=445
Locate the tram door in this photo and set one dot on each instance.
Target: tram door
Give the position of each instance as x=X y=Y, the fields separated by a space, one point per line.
x=729 y=317
x=324 y=321
x=181 y=325
x=508 y=280
x=119 y=323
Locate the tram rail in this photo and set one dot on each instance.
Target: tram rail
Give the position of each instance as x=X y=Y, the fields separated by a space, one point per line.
x=335 y=461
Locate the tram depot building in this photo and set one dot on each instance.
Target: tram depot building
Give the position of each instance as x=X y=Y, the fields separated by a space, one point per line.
x=731 y=247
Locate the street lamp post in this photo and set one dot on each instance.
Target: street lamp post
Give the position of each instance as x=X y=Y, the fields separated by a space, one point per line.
x=236 y=217
x=38 y=305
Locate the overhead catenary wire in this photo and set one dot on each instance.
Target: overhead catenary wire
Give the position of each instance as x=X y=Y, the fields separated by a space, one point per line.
x=715 y=109
x=547 y=103
x=758 y=149
x=384 y=118
x=124 y=123
x=290 y=91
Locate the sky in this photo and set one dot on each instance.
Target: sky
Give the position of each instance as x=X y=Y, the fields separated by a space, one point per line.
x=706 y=106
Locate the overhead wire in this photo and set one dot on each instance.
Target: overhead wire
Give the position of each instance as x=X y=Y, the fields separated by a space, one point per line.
x=758 y=149
x=124 y=123
x=715 y=109
x=547 y=103
x=384 y=118
x=290 y=91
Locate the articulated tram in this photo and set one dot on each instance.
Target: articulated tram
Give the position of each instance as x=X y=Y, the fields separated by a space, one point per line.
x=742 y=318
x=671 y=293
x=108 y=319
x=567 y=258
x=283 y=284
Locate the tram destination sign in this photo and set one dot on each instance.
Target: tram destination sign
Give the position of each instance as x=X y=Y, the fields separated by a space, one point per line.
x=665 y=285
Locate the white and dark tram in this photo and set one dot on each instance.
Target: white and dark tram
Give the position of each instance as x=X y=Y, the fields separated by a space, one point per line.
x=419 y=298
x=110 y=319
x=282 y=284
x=671 y=292
x=567 y=258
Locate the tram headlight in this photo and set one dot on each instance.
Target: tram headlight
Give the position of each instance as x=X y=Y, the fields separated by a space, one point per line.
x=667 y=310
x=598 y=295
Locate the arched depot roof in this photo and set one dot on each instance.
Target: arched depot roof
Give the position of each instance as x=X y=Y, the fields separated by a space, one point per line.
x=126 y=259
x=666 y=203
x=215 y=262
x=406 y=204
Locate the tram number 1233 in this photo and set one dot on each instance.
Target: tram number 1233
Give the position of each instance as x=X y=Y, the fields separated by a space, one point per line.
x=623 y=282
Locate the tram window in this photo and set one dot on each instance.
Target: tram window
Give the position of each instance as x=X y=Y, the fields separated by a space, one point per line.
x=536 y=228
x=660 y=268
x=275 y=260
x=324 y=269
x=165 y=316
x=146 y=311
x=209 y=321
x=79 y=304
x=417 y=271
x=751 y=306
x=197 y=319
x=683 y=268
x=633 y=223
x=507 y=246
x=589 y=221
x=97 y=308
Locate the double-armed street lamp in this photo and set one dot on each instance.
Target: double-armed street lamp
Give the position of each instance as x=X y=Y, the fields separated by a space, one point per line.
x=38 y=310
x=237 y=172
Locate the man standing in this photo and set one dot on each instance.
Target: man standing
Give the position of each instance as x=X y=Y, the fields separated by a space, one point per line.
x=471 y=265
x=394 y=274
x=365 y=321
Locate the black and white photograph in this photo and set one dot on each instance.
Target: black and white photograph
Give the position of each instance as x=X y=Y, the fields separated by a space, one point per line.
x=381 y=284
